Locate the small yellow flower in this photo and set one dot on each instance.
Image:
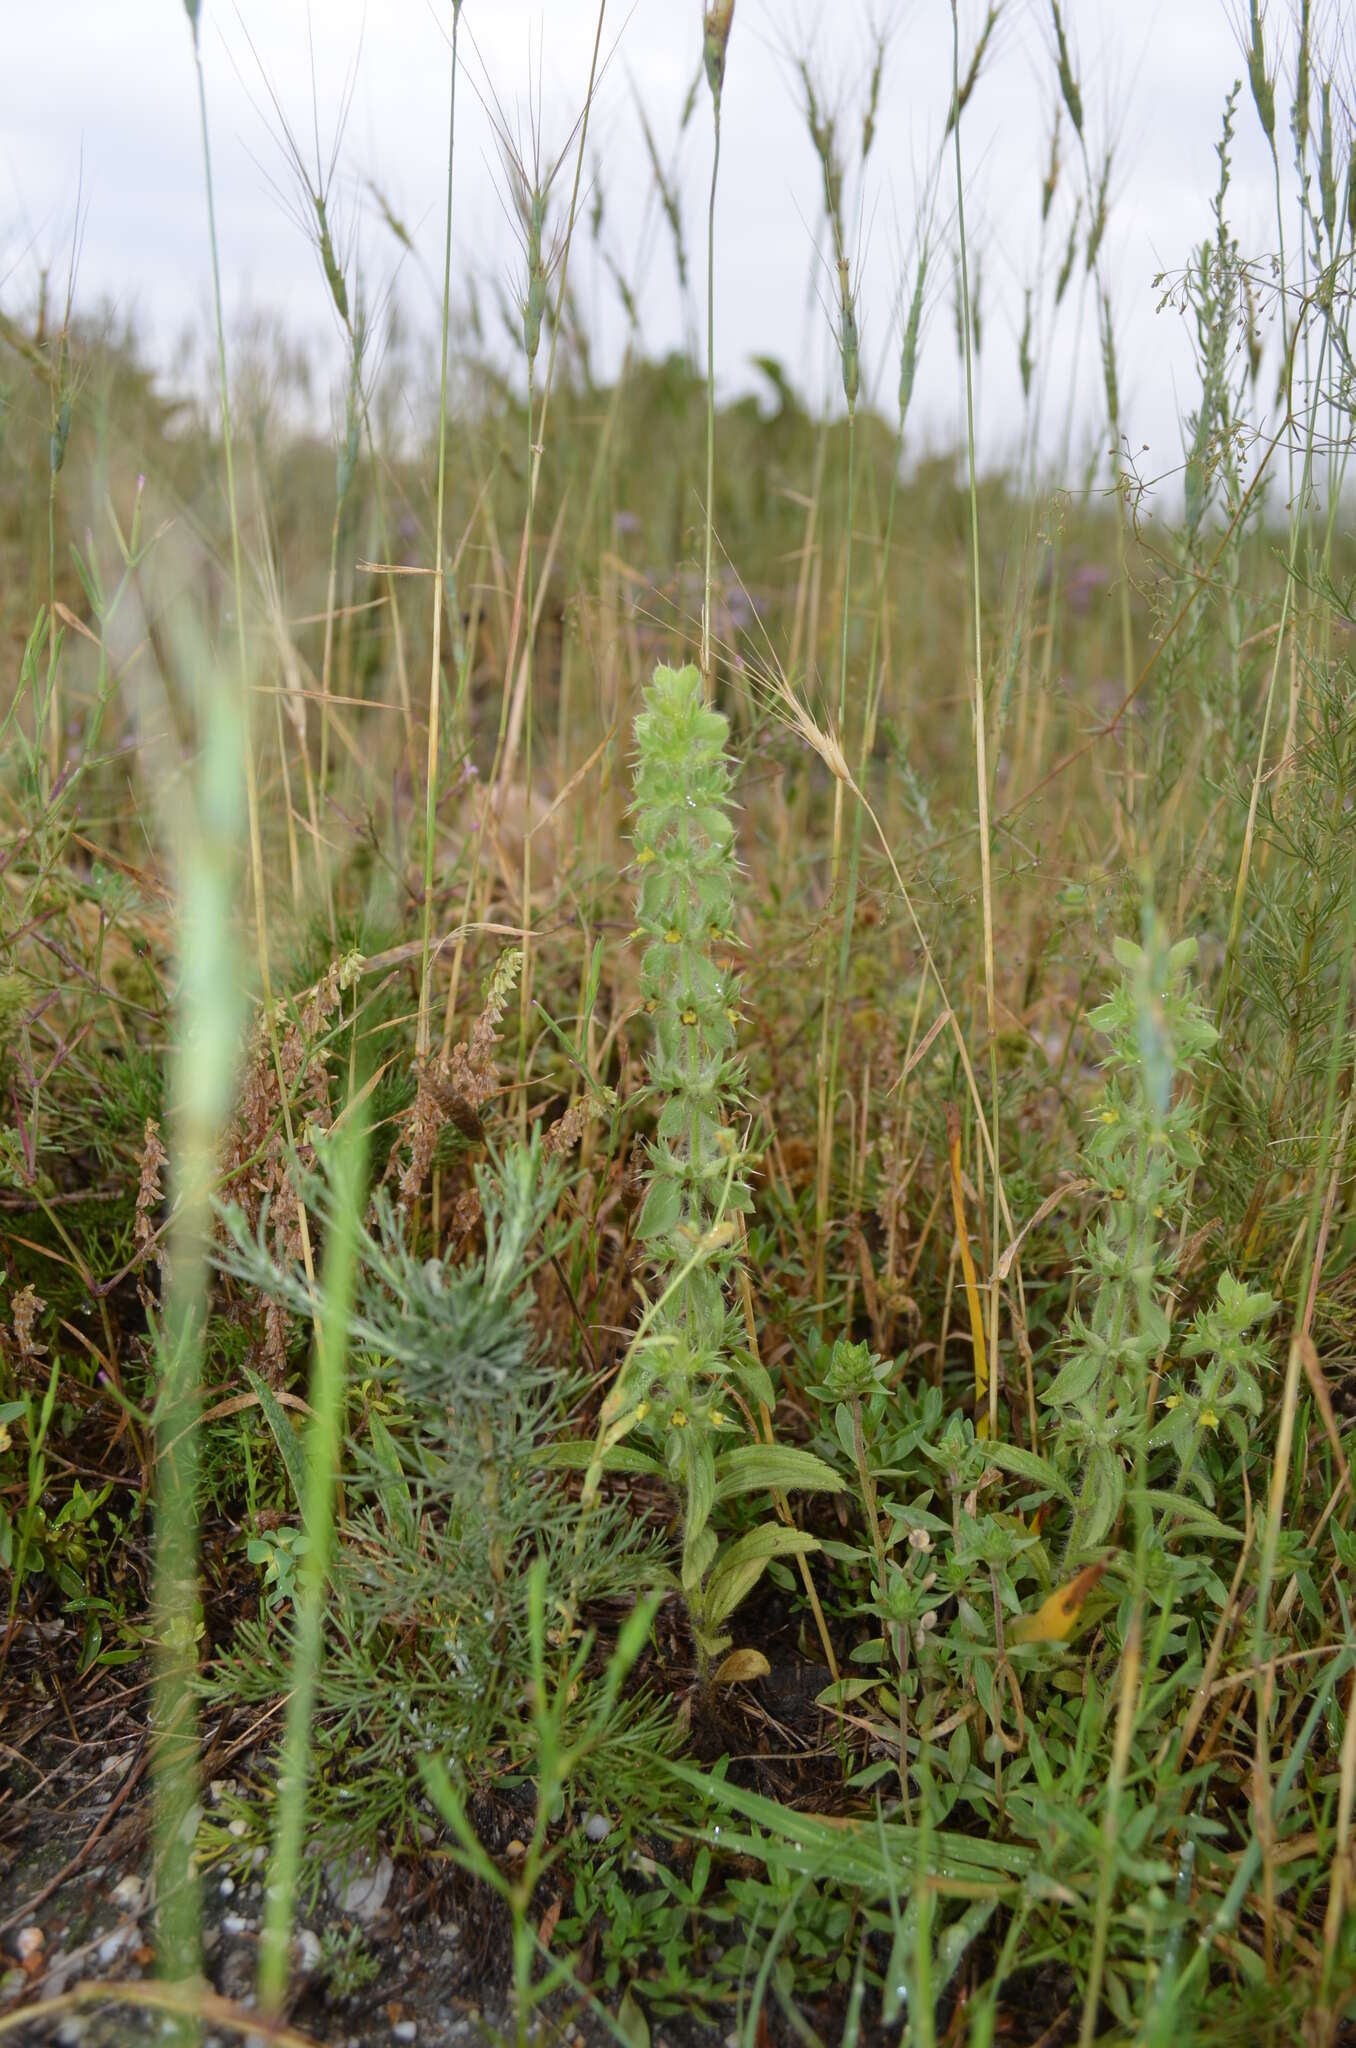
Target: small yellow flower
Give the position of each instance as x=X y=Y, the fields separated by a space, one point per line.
x=689 y=1016
x=645 y=856
x=1111 y=1116
x=678 y=1419
x=642 y=1410
x=1172 y=1401
x=673 y=937
x=718 y=1419
x=1209 y=1419
x=5 y=1438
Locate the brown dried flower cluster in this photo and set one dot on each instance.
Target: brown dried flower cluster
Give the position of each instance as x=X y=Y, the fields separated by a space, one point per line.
x=150 y=1194
x=454 y=1088
x=258 y=1170
x=25 y=1309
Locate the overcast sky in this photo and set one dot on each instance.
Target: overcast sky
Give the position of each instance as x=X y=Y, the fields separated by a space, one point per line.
x=99 y=99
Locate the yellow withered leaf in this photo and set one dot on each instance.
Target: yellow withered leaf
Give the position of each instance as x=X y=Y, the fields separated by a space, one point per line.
x=1054 y=1619
x=740 y=1666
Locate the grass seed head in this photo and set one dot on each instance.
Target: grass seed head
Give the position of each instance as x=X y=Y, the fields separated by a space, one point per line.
x=1099 y=213
x=716 y=24
x=848 y=339
x=1299 y=112
x=1262 y=83
x=971 y=78
x=334 y=276
x=1109 y=377
x=873 y=98
x=824 y=136
x=908 y=353
x=1070 y=254
x=1025 y=364
x=1327 y=176
x=1252 y=336
x=1051 y=183
x=1068 y=84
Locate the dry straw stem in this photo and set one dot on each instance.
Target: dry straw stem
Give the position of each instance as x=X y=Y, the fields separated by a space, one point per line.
x=182 y=2001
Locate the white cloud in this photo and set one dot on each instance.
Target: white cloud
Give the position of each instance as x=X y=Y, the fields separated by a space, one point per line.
x=111 y=88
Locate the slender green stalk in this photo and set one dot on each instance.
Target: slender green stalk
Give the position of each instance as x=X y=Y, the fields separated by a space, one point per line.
x=436 y=659
x=716 y=23
x=323 y=1447
x=529 y=649
x=829 y=1009
x=708 y=675
x=207 y=1039
x=193 y=8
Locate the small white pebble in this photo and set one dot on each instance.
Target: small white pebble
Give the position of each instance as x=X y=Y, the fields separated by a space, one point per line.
x=597 y=1827
x=29 y=1942
x=129 y=1892
x=237 y=1828
x=227 y=1887
x=405 y=2030
x=308 y=1948
x=232 y=1923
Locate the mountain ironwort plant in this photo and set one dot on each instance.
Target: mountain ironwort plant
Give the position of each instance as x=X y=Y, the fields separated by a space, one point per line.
x=683 y=1365
x=1140 y=1156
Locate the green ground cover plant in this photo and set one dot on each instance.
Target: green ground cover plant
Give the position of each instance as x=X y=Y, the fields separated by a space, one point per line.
x=676 y=1114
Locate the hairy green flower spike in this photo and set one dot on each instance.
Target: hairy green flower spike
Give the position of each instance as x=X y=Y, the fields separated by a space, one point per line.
x=681 y=1370
x=854 y=1370
x=679 y=1377
x=684 y=836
